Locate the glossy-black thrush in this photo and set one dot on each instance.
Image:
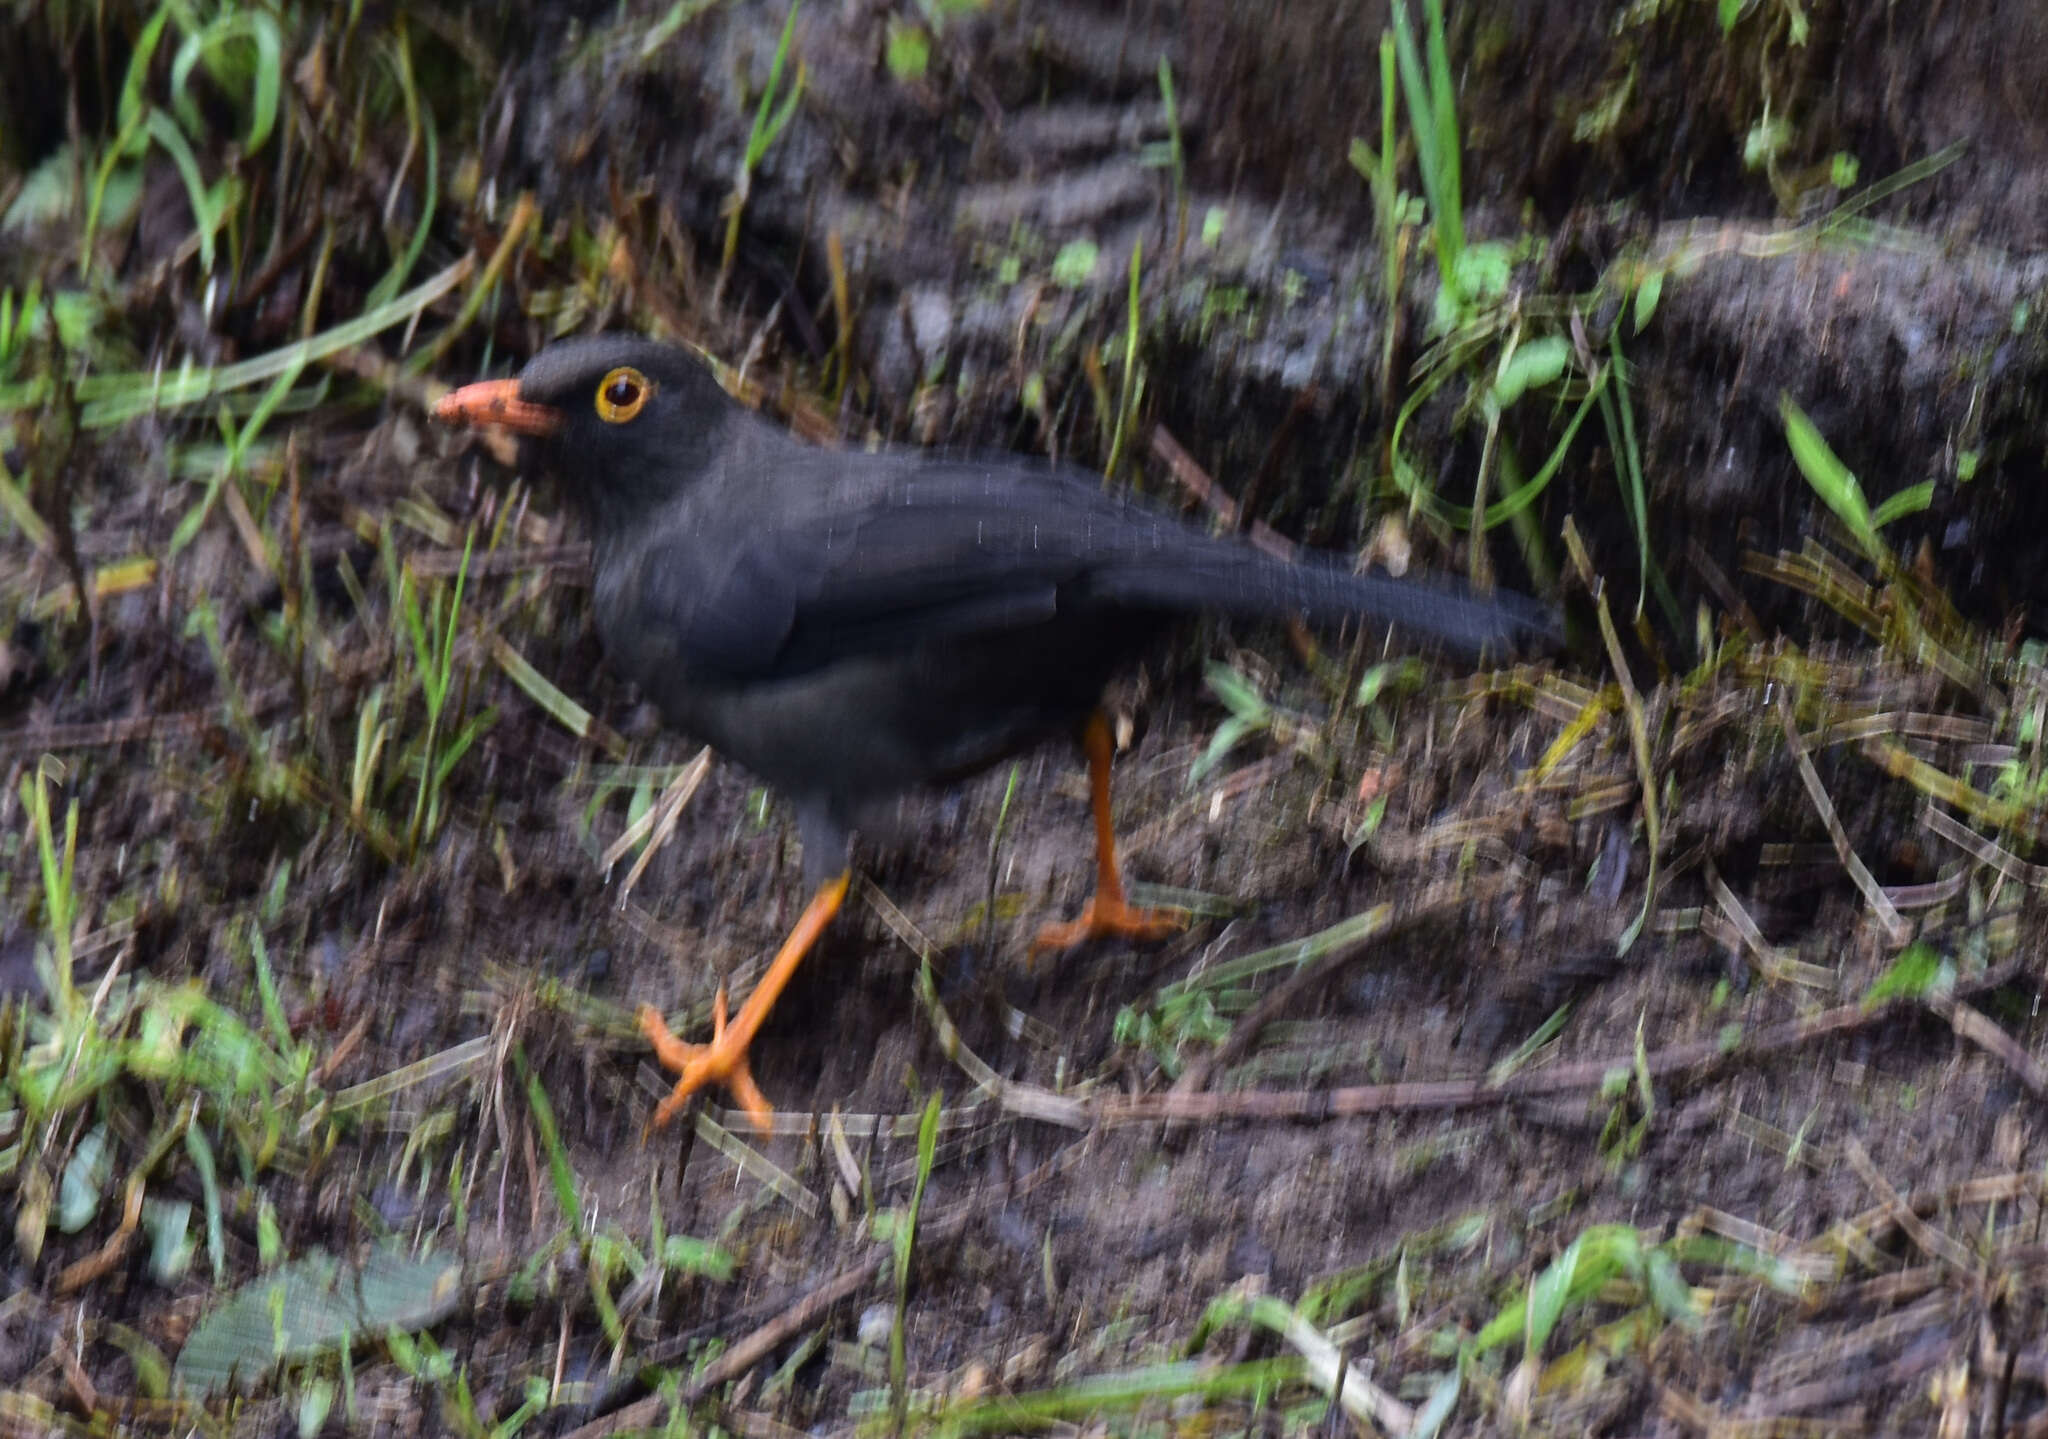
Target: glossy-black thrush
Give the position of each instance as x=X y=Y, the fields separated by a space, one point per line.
x=851 y=625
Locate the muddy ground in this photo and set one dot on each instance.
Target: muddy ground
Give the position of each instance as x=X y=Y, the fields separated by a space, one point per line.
x=1567 y=999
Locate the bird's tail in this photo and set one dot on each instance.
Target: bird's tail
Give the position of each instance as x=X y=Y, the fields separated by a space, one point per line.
x=1235 y=579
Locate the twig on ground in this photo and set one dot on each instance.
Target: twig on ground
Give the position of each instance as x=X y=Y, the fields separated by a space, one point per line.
x=1195 y=480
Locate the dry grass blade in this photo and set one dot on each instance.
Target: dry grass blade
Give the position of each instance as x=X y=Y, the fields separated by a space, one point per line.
x=757 y=1166
x=1026 y=1101
x=1846 y=1369
x=445 y=1065
x=1930 y=1241
x=1578 y=723
x=1821 y=575
x=572 y=558
x=524 y=213
x=1361 y=1399
x=658 y=823
x=1277 y=1001
x=572 y=716
x=1771 y=961
x=121 y=577
x=1894 y=724
x=1897 y=761
x=1983 y=850
x=95 y=734
x=14 y=503
x=1638 y=730
x=1977 y=1027
x=1895 y=925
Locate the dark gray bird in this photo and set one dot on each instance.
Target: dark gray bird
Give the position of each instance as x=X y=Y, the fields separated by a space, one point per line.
x=851 y=625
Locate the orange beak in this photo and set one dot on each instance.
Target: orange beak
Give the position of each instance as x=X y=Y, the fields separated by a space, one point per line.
x=497 y=402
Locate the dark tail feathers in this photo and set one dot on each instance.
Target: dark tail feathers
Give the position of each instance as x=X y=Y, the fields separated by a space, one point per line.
x=1236 y=579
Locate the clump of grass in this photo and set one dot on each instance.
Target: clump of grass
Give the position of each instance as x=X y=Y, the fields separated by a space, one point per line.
x=770 y=120
x=1504 y=347
x=432 y=630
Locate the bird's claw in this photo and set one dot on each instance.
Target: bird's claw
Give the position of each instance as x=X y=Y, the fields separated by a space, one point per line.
x=696 y=1065
x=1111 y=919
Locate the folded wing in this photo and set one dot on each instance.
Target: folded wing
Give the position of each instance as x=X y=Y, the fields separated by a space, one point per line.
x=958 y=549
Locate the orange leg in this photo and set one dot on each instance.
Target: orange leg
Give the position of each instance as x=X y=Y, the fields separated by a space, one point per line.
x=1108 y=915
x=724 y=1059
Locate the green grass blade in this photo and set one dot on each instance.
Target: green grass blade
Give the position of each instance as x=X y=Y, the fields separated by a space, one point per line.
x=1833 y=481
x=114 y=399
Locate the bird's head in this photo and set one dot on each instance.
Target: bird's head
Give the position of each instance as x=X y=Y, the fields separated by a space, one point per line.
x=621 y=422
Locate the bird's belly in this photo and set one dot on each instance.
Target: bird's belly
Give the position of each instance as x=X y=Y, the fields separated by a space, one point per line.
x=870 y=726
x=858 y=728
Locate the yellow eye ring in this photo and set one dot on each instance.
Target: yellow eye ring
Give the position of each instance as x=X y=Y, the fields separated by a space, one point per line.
x=621 y=394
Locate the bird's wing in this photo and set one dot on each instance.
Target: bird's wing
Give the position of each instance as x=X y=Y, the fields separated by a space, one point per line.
x=949 y=549
x=955 y=548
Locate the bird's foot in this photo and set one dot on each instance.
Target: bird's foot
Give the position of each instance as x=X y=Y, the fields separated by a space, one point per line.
x=722 y=1061
x=1113 y=918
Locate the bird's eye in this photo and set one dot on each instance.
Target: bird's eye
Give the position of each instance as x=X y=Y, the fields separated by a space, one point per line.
x=621 y=394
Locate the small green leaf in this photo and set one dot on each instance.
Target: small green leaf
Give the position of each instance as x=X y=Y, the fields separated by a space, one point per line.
x=1443 y=1398
x=264 y=78
x=1369 y=687
x=85 y=1180
x=1484 y=270
x=130 y=109
x=1213 y=221
x=1669 y=1291
x=909 y=52
x=1647 y=295
x=1832 y=480
x=1375 y=816
x=1912 y=500
x=45 y=196
x=269 y=1239
x=206 y=212
x=1531 y=367
x=1919 y=972
x=318 y=1305
x=685 y=1255
x=316 y=1401
x=152 y=1371
x=168 y=1223
x=1550 y=1293
x=564 y=1176
x=1238 y=694
x=200 y=1151
x=768 y=127
x=1075 y=263
x=1765 y=141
